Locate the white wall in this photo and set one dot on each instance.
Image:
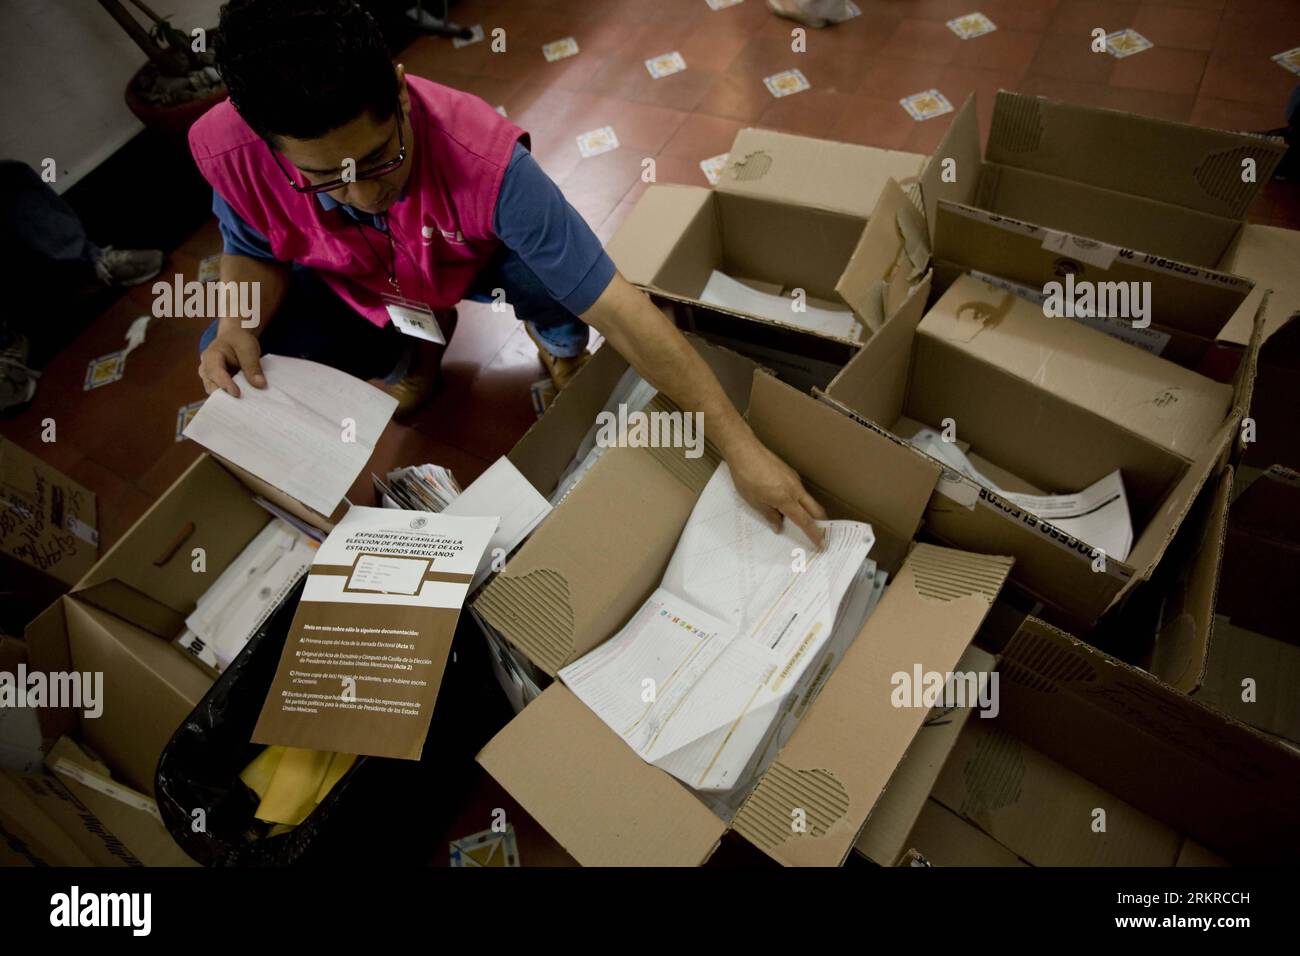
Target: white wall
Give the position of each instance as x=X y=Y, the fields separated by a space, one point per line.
x=64 y=65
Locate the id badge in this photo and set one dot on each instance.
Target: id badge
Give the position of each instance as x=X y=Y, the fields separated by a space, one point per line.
x=415 y=319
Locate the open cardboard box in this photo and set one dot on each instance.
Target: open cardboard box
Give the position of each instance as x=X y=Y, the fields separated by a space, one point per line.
x=980 y=357
x=587 y=569
x=1079 y=731
x=549 y=445
x=122 y=616
x=48 y=535
x=791 y=213
x=1104 y=182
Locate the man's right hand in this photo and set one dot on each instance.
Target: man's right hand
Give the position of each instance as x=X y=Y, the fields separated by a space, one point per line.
x=232 y=349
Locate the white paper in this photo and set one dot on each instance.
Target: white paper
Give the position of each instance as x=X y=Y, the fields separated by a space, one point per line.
x=294 y=434
x=722 y=290
x=246 y=593
x=502 y=492
x=696 y=680
x=1097 y=515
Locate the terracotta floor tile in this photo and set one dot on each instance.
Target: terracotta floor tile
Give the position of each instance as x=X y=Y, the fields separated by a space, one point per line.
x=1182 y=27
x=615 y=219
x=810 y=113
x=1071 y=91
x=667 y=169
x=701 y=136
x=926 y=134
x=1034 y=15
x=1003 y=50
x=871 y=122
x=924 y=40
x=1078 y=18
x=895 y=79
x=1161 y=70
x=1250 y=79
x=1069 y=56
x=1171 y=106
x=735 y=97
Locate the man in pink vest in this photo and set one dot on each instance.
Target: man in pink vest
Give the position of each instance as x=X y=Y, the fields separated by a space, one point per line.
x=365 y=204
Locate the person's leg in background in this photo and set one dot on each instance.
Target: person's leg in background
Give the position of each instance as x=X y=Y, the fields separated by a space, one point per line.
x=560 y=336
x=40 y=228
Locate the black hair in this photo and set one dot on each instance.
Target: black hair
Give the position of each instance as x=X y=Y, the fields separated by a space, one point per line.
x=302 y=68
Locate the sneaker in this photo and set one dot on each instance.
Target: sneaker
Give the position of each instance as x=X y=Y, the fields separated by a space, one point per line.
x=17 y=381
x=128 y=266
x=418 y=375
x=561 y=370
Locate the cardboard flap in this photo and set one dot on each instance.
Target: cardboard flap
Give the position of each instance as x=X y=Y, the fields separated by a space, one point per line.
x=1221 y=783
x=893 y=252
x=886 y=834
x=1269 y=256
x=1182 y=647
x=1169 y=162
x=843 y=753
x=532 y=603
x=651 y=230
x=839 y=177
x=877 y=479
x=593 y=793
x=958 y=180
x=147 y=577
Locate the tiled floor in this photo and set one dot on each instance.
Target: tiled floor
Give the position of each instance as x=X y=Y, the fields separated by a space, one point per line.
x=1210 y=65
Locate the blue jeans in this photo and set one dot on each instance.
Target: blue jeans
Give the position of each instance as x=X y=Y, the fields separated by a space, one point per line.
x=314 y=323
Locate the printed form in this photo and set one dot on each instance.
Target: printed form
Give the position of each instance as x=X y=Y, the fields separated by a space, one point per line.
x=698 y=678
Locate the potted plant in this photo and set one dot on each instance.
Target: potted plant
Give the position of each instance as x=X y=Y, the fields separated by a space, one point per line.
x=180 y=82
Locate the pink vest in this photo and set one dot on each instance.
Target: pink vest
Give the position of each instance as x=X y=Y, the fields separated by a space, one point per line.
x=442 y=229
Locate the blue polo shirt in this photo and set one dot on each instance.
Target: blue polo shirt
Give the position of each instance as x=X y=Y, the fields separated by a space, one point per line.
x=532 y=219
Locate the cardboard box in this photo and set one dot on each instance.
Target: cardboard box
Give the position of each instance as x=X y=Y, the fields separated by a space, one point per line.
x=1079 y=730
x=1254 y=678
x=1125 y=180
x=1100 y=182
x=788 y=212
x=1261 y=563
x=1046 y=405
x=49 y=535
x=57 y=819
x=122 y=616
x=549 y=445
x=591 y=565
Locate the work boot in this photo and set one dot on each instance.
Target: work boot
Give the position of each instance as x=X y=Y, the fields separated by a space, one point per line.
x=127 y=266
x=417 y=377
x=560 y=369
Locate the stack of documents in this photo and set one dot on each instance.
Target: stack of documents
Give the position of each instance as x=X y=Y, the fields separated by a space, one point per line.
x=250 y=588
x=1098 y=515
x=703 y=678
x=500 y=492
x=418 y=488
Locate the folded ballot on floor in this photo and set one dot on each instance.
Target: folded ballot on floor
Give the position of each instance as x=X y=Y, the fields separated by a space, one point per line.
x=698 y=681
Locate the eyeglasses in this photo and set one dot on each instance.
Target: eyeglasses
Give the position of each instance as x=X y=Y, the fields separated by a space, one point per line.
x=382 y=169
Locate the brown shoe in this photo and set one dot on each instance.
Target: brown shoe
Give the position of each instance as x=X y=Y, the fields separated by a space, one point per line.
x=424 y=371
x=561 y=370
